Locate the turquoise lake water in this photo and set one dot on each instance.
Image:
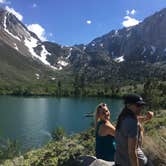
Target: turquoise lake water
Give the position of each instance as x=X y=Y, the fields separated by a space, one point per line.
x=30 y=120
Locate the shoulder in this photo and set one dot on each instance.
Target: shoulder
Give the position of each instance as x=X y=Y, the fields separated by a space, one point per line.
x=108 y=125
x=109 y=128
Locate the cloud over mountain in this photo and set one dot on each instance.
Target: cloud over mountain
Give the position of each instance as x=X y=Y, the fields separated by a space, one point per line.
x=131 y=12
x=38 y=30
x=129 y=21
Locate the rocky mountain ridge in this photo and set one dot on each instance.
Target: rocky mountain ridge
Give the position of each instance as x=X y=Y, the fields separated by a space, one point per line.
x=118 y=55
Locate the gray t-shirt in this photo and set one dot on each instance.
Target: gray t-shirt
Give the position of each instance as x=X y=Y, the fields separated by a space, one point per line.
x=128 y=129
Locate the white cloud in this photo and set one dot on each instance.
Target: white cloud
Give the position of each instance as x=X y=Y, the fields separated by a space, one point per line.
x=127 y=12
x=88 y=21
x=38 y=30
x=132 y=12
x=2 y=1
x=34 y=5
x=5 y=2
x=50 y=34
x=129 y=21
x=11 y=10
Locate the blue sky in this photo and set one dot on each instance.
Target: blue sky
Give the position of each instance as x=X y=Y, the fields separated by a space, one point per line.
x=70 y=22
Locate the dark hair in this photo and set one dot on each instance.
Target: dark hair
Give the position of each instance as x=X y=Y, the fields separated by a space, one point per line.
x=125 y=112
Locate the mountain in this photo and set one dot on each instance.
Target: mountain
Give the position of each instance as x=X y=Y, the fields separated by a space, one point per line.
x=130 y=53
x=145 y=41
x=133 y=53
x=23 y=56
x=138 y=51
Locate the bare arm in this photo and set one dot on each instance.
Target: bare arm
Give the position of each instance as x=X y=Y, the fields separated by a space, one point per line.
x=146 y=118
x=132 y=143
x=107 y=129
x=142 y=119
x=110 y=129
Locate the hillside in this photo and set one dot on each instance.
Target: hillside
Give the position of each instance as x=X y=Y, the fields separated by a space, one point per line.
x=119 y=57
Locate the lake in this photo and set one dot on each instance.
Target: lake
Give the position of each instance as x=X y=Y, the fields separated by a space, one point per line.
x=30 y=120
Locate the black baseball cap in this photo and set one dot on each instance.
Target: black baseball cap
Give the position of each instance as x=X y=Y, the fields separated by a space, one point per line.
x=133 y=99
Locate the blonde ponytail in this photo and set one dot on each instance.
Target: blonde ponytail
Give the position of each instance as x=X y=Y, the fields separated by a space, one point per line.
x=97 y=116
x=98 y=112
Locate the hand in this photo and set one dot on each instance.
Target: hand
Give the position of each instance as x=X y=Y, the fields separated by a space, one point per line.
x=149 y=115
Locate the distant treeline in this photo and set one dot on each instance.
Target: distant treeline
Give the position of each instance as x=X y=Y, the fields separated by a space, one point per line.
x=152 y=90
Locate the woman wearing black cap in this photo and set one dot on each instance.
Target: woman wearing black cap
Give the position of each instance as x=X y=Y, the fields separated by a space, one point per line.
x=128 y=133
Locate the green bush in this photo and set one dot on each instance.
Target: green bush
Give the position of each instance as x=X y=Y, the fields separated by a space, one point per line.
x=58 y=134
x=8 y=149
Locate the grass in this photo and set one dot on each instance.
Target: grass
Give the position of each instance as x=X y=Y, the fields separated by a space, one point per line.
x=155 y=139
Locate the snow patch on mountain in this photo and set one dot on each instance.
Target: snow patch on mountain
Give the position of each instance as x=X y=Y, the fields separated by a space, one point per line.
x=43 y=53
x=84 y=48
x=15 y=47
x=153 y=50
x=119 y=59
x=144 y=50
x=93 y=44
x=31 y=43
x=101 y=45
x=62 y=63
x=37 y=76
x=68 y=56
x=128 y=28
x=71 y=49
x=6 y=30
x=59 y=68
x=53 y=78
x=116 y=32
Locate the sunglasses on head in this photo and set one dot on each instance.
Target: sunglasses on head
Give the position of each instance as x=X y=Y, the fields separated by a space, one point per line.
x=102 y=105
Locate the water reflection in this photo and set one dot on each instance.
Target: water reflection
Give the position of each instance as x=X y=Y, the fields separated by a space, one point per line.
x=34 y=121
x=31 y=120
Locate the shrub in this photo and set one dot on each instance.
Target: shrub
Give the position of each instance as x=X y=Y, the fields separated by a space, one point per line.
x=58 y=134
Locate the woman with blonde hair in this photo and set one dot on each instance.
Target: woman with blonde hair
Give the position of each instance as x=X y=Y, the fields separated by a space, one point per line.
x=105 y=131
